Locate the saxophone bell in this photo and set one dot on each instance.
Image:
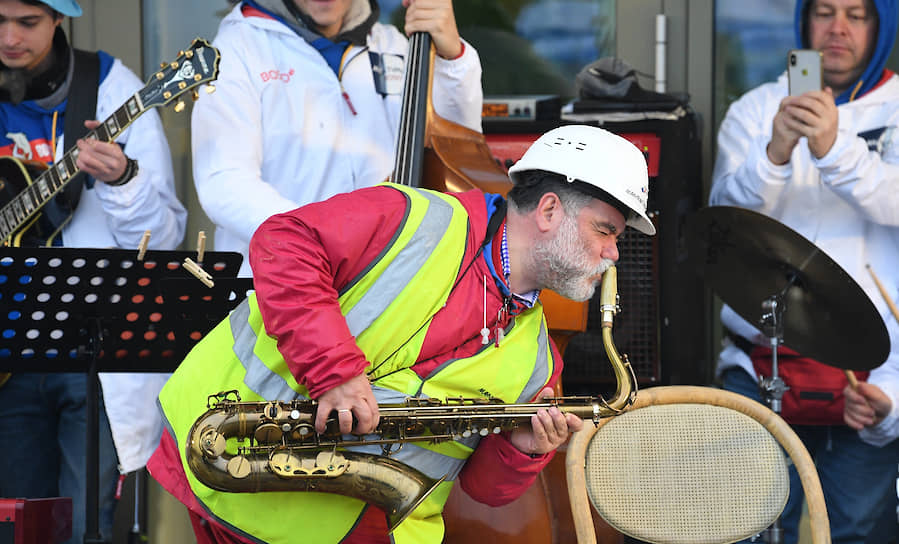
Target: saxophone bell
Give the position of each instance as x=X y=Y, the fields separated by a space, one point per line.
x=396 y=488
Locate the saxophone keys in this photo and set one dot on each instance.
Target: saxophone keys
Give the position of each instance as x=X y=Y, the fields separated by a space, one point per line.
x=389 y=429
x=268 y=433
x=272 y=410
x=239 y=467
x=414 y=427
x=330 y=464
x=212 y=443
x=303 y=431
x=284 y=463
x=440 y=427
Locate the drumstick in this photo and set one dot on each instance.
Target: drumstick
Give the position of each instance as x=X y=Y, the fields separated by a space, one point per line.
x=895 y=311
x=883 y=292
x=853 y=381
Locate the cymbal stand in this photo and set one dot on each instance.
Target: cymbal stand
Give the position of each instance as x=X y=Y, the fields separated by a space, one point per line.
x=773 y=387
x=772 y=326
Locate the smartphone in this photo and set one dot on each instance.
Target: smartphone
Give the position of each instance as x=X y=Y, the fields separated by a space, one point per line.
x=803 y=71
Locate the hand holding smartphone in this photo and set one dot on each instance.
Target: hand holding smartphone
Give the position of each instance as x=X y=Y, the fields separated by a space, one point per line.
x=804 y=71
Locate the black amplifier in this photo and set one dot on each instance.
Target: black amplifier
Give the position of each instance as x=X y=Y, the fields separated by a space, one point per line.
x=522 y=108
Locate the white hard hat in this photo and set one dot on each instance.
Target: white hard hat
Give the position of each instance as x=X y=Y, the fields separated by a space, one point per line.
x=590 y=156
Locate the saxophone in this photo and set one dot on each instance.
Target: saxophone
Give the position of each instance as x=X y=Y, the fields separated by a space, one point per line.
x=280 y=451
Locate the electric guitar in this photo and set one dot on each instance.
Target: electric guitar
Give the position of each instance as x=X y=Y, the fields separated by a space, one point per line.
x=26 y=186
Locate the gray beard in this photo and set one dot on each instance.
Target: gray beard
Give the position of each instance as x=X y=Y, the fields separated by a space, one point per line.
x=563 y=264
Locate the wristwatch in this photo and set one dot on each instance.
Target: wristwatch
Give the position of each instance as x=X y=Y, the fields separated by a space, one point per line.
x=131 y=169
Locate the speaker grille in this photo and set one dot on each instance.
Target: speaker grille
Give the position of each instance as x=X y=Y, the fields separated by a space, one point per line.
x=635 y=328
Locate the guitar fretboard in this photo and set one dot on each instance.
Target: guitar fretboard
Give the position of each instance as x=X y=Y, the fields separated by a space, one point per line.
x=21 y=208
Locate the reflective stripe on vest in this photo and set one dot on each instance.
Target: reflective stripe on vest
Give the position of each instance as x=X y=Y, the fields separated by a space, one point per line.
x=266 y=382
x=394 y=300
x=387 y=285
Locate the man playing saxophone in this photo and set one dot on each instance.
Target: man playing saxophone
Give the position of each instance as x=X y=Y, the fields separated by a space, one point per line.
x=392 y=292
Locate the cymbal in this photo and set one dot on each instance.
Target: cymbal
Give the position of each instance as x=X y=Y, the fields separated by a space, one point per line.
x=746 y=257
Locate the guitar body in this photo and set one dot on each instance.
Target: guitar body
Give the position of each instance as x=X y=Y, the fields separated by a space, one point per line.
x=15 y=176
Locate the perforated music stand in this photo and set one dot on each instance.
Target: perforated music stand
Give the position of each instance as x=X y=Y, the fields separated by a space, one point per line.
x=103 y=310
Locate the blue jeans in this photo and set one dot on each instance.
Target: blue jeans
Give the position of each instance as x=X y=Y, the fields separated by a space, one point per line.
x=858 y=479
x=43 y=430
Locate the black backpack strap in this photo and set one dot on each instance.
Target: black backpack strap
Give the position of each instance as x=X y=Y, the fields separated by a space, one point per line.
x=81 y=105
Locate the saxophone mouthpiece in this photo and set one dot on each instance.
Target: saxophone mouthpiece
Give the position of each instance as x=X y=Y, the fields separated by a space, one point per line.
x=608 y=296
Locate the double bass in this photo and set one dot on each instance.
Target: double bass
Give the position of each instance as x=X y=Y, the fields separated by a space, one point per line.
x=438 y=154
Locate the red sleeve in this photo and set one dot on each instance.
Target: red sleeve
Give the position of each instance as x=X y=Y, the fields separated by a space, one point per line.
x=300 y=260
x=497 y=473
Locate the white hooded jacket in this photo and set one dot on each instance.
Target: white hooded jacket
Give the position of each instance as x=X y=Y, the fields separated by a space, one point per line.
x=846 y=203
x=278 y=132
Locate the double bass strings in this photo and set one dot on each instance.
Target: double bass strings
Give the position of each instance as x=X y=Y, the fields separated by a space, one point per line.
x=412 y=126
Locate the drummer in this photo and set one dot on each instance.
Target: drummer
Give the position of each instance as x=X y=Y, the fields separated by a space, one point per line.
x=826 y=164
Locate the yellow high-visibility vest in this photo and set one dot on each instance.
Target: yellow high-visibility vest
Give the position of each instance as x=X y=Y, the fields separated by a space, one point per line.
x=388 y=310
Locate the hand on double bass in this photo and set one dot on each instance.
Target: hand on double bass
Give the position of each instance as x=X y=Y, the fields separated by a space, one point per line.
x=435 y=17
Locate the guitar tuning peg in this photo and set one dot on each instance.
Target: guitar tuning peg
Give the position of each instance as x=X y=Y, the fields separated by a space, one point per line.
x=189 y=54
x=210 y=88
x=163 y=64
x=179 y=106
x=195 y=95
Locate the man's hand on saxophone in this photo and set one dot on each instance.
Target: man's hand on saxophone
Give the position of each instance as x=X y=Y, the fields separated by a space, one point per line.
x=353 y=400
x=549 y=429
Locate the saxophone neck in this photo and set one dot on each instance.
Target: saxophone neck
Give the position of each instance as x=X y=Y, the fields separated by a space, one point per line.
x=608 y=296
x=626 y=391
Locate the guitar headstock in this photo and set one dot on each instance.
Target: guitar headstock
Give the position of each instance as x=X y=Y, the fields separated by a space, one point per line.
x=193 y=67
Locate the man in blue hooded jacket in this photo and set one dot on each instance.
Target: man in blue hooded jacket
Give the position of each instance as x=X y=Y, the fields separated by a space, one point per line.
x=826 y=164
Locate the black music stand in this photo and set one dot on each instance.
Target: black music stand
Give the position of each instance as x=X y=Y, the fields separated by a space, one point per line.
x=106 y=310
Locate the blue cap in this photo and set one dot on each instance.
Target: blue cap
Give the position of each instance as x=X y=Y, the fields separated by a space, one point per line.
x=66 y=7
